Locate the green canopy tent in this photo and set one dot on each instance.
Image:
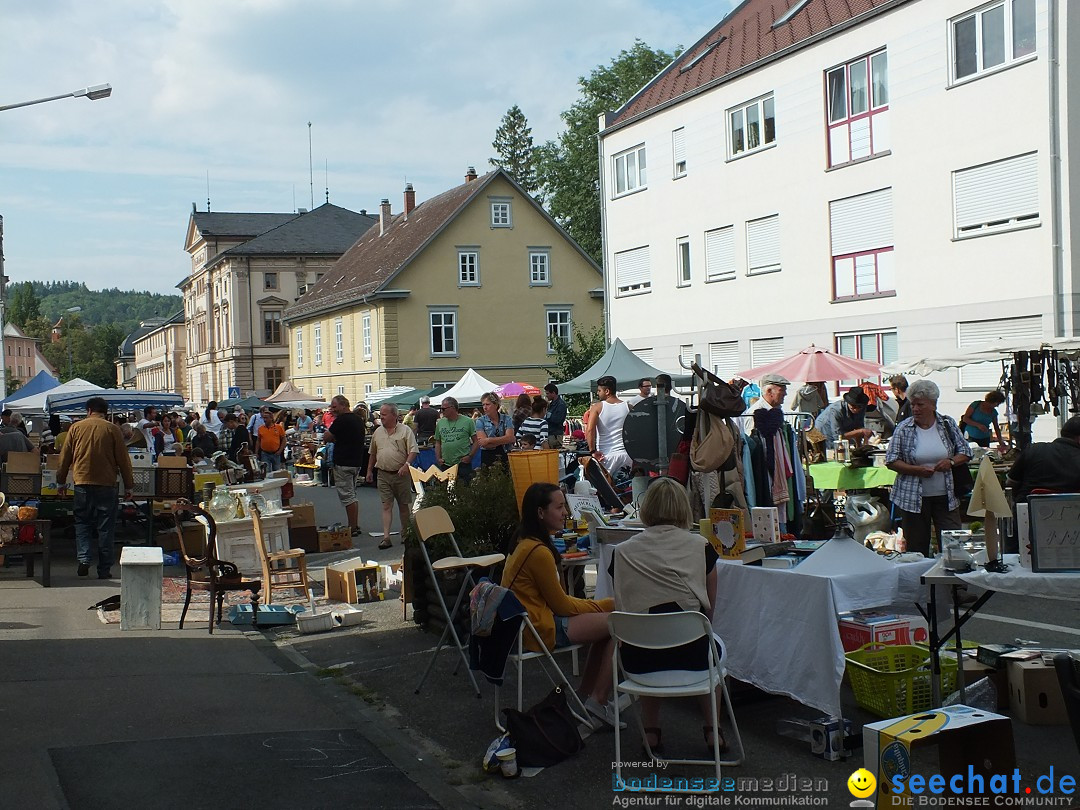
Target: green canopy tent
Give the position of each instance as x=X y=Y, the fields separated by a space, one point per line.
x=622 y=364
x=249 y=404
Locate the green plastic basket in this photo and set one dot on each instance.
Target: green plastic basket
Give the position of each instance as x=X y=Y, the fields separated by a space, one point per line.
x=893 y=680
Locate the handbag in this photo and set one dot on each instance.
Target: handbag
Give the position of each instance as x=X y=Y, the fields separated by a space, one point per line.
x=545 y=734
x=718 y=397
x=963 y=482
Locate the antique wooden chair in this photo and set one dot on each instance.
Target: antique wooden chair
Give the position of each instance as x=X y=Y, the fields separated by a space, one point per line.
x=278 y=572
x=207 y=572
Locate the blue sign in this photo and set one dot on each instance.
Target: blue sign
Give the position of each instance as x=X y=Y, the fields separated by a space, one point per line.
x=234 y=392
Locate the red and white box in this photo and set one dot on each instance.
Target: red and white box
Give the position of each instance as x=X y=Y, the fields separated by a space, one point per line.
x=857 y=630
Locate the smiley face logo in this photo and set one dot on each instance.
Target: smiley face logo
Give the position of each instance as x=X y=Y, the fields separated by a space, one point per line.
x=862 y=783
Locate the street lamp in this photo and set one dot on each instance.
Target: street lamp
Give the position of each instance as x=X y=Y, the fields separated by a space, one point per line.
x=71 y=374
x=93 y=93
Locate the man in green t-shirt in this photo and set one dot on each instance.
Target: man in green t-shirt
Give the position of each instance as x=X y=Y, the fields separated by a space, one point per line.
x=455 y=439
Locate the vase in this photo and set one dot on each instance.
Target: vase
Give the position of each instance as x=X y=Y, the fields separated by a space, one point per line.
x=222 y=506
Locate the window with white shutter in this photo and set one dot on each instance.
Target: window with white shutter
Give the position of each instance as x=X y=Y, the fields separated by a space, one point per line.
x=766 y=350
x=877 y=347
x=686 y=353
x=678 y=152
x=861 y=231
x=763 y=245
x=720 y=254
x=643 y=354
x=999 y=196
x=724 y=359
x=971 y=335
x=632 y=273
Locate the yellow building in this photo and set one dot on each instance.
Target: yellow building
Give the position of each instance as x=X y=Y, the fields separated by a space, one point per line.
x=479 y=276
x=160 y=357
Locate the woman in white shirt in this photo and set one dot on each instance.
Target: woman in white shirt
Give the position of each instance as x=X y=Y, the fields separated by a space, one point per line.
x=212 y=419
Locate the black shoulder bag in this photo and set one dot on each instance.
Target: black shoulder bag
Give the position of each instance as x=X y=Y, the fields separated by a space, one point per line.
x=545 y=734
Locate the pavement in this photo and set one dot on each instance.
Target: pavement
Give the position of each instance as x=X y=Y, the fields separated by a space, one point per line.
x=93 y=717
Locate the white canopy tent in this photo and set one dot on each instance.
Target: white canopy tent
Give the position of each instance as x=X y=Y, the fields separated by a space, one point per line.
x=469 y=388
x=35 y=403
x=376 y=397
x=994 y=352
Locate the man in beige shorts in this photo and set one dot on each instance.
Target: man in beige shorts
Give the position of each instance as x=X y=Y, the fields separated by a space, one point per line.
x=393 y=449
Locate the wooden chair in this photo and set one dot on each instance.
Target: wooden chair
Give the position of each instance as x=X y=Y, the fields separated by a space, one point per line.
x=207 y=572
x=278 y=573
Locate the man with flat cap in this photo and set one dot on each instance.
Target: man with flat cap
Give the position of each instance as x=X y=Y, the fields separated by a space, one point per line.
x=845 y=418
x=773 y=392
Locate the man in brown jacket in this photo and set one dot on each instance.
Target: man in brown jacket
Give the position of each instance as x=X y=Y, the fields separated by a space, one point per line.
x=95 y=453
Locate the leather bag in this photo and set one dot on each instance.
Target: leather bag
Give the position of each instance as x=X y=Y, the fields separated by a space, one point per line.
x=963 y=482
x=718 y=397
x=545 y=734
x=713 y=446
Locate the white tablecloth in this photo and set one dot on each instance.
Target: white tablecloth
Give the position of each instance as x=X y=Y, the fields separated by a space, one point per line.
x=1025 y=582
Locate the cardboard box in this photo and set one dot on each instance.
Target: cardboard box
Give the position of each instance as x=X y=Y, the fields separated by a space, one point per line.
x=49 y=484
x=335 y=539
x=303 y=514
x=827 y=738
x=1035 y=694
x=964 y=737
x=172 y=462
x=194 y=540
x=867 y=628
x=725 y=529
x=305 y=537
x=765 y=522
x=23 y=463
x=353 y=581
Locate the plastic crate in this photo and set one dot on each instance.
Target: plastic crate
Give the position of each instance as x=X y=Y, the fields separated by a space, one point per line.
x=174 y=482
x=17 y=484
x=528 y=467
x=895 y=680
x=268 y=614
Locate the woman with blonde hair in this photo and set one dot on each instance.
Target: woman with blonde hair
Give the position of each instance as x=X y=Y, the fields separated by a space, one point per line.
x=494 y=431
x=667 y=569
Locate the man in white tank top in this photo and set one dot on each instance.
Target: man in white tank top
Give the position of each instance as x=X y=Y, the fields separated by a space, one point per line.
x=604 y=431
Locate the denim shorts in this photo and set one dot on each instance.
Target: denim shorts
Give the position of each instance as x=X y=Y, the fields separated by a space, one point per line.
x=562 y=637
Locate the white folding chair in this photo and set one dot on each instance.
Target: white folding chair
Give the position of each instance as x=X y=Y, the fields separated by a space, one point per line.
x=519 y=655
x=663 y=631
x=431 y=522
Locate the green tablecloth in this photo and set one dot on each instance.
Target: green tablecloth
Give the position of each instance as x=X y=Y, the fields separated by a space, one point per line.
x=833 y=475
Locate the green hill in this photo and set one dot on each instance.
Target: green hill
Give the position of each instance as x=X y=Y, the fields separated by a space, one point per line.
x=124 y=308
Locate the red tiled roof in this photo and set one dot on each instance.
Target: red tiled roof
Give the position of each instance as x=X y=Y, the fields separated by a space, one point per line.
x=746 y=36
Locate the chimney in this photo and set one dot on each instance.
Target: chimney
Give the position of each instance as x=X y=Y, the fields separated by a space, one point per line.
x=384 y=216
x=470 y=174
x=410 y=198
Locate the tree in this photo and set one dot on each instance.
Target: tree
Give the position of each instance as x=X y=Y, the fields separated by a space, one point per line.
x=576 y=357
x=514 y=150
x=567 y=169
x=24 y=306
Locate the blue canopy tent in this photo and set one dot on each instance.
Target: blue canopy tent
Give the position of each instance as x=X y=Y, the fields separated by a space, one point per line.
x=119 y=399
x=43 y=381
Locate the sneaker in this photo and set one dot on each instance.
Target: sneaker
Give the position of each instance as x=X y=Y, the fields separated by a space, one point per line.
x=83 y=569
x=104 y=575
x=605 y=714
x=357 y=532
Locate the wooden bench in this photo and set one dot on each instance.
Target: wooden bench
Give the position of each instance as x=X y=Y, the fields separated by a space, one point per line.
x=43 y=529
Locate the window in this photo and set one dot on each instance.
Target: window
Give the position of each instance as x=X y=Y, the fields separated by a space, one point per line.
x=339 y=341
x=365 y=333
x=630 y=170
x=443 y=332
x=274 y=377
x=632 y=275
x=318 y=343
x=269 y=281
x=500 y=214
x=877 y=347
x=766 y=350
x=341 y=390
x=686 y=353
x=861 y=229
x=752 y=126
x=367 y=389
x=318 y=391
x=539 y=268
x=992 y=37
x=444 y=384
x=682 y=261
x=999 y=196
x=558 y=327
x=468 y=268
x=272 y=328
x=645 y=355
x=678 y=152
x=724 y=359
x=858 y=103
x=972 y=335
x=720 y=254
x=763 y=245
x=300 y=347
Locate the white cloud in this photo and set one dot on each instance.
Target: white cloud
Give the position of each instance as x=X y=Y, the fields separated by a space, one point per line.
x=394 y=90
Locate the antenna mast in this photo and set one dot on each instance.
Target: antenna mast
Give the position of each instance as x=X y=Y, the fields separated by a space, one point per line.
x=311 y=174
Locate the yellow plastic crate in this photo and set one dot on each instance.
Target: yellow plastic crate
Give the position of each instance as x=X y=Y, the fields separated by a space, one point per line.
x=529 y=467
x=893 y=680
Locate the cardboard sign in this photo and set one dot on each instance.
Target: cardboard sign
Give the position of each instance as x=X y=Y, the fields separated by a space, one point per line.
x=1055 y=533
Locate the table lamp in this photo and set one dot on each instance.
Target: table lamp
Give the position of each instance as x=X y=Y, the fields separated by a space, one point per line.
x=988 y=501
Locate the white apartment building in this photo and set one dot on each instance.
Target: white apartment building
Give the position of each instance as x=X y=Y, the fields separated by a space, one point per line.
x=887 y=178
x=160 y=354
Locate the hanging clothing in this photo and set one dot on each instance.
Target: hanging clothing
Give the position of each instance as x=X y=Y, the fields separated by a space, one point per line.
x=811 y=399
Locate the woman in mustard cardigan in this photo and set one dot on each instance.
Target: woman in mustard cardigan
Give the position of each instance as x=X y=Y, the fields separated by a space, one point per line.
x=532 y=573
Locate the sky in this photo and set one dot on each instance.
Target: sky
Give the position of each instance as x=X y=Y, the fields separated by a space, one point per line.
x=101 y=191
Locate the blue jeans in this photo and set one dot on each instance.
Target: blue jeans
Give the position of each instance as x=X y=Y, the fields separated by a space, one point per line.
x=95 y=514
x=271 y=460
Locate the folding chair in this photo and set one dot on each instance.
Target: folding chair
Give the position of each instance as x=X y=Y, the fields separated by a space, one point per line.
x=431 y=522
x=663 y=631
x=520 y=656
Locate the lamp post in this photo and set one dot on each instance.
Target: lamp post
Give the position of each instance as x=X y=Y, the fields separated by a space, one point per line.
x=91 y=93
